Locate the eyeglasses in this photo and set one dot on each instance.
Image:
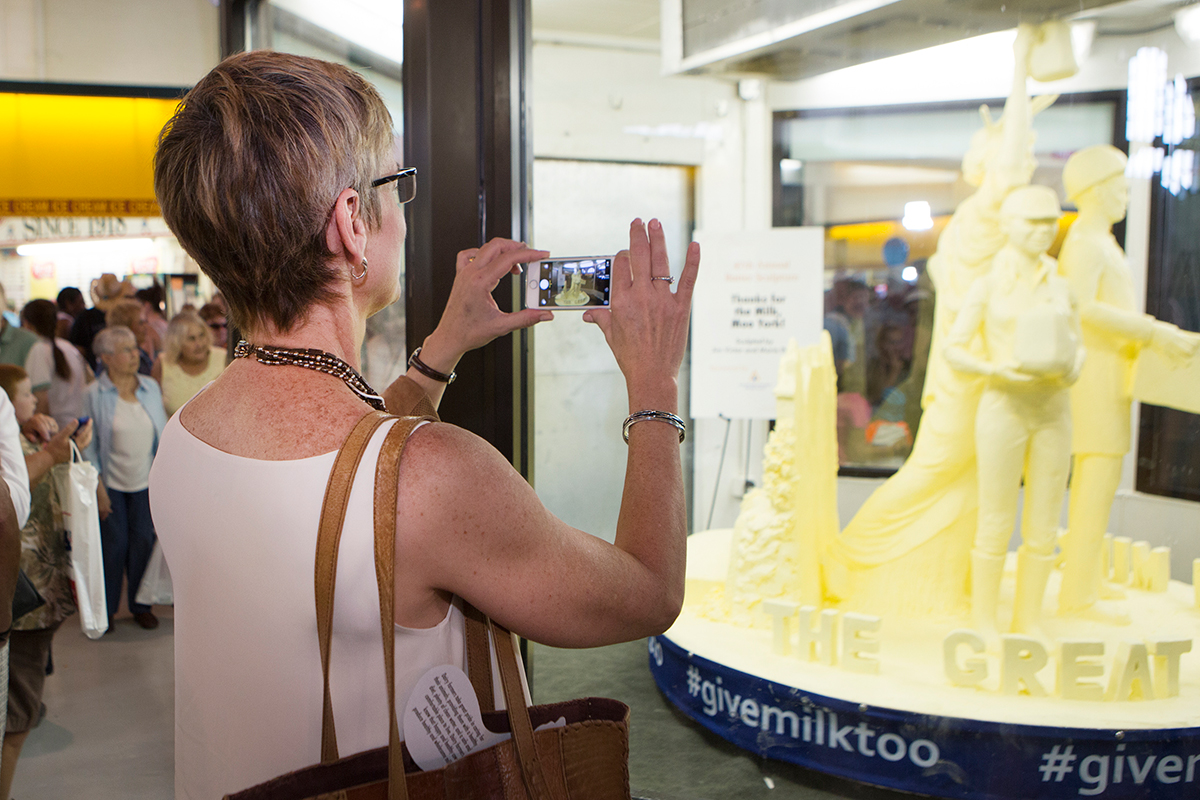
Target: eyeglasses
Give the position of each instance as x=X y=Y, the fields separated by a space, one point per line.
x=406 y=183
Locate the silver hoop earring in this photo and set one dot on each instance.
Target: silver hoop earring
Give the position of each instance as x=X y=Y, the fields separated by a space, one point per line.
x=364 y=272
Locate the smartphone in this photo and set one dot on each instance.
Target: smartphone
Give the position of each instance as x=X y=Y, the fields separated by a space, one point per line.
x=568 y=283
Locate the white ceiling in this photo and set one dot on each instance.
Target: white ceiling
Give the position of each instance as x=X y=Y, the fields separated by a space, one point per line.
x=638 y=22
x=630 y=19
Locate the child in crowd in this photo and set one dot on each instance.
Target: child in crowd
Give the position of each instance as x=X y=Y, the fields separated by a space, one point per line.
x=45 y=561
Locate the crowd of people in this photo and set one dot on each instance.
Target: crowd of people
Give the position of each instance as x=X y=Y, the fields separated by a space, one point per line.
x=106 y=376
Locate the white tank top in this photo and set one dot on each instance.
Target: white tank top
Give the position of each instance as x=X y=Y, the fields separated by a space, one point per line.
x=240 y=537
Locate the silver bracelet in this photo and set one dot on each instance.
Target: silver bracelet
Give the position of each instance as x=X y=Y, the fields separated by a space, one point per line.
x=661 y=416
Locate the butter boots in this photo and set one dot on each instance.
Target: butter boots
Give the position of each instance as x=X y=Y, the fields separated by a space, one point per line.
x=986 y=570
x=1033 y=571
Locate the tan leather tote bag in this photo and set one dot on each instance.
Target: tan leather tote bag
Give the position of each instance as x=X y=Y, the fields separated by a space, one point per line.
x=588 y=759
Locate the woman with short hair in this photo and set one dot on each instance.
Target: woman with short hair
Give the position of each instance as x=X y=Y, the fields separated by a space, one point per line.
x=188 y=362
x=127 y=410
x=279 y=175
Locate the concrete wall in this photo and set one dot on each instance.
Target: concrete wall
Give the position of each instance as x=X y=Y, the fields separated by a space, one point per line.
x=612 y=104
x=137 y=42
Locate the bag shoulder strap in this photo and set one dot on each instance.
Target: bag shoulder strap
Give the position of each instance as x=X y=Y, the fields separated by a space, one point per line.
x=329 y=534
x=387 y=474
x=479 y=657
x=406 y=398
x=540 y=784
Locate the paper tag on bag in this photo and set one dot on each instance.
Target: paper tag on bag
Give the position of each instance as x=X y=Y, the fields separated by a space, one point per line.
x=442 y=721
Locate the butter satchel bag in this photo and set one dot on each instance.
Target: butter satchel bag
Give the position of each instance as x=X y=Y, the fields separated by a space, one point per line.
x=587 y=759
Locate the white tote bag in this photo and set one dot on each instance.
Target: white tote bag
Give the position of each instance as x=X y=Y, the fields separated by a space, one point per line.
x=155 y=588
x=75 y=482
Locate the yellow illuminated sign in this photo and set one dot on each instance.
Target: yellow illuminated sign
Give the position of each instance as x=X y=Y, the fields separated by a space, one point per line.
x=70 y=155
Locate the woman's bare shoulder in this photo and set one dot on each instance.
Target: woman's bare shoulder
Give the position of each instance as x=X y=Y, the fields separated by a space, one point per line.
x=440 y=452
x=454 y=479
x=278 y=419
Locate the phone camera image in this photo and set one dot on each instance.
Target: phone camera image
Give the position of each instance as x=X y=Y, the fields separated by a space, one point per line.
x=574 y=282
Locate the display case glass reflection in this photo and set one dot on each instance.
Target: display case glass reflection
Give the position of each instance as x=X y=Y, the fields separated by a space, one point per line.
x=1169 y=439
x=883 y=183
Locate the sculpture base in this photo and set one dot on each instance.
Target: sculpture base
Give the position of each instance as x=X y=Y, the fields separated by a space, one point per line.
x=907 y=728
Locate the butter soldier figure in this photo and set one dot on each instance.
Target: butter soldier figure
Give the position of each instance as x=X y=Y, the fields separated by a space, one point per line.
x=1113 y=333
x=1025 y=316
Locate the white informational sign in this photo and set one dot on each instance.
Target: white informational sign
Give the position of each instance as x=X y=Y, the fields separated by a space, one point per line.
x=442 y=722
x=756 y=290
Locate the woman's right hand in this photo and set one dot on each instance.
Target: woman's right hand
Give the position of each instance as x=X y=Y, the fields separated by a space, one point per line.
x=646 y=324
x=472 y=318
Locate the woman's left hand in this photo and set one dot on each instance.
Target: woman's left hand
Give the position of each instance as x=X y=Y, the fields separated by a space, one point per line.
x=472 y=318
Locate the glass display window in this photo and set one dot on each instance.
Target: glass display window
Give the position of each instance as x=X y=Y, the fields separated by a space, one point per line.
x=816 y=560
x=1169 y=438
x=883 y=182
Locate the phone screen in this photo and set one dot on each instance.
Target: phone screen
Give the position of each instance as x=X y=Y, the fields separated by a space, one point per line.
x=579 y=282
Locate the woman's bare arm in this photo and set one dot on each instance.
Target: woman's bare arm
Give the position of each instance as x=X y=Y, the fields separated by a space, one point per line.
x=471 y=526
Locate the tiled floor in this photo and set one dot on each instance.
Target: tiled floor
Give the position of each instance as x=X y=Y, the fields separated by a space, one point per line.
x=108 y=732
x=109 y=726
x=670 y=756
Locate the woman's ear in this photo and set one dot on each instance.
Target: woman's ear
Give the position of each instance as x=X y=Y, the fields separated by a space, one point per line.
x=346 y=232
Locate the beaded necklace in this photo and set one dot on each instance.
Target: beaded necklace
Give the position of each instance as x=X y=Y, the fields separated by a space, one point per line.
x=316 y=360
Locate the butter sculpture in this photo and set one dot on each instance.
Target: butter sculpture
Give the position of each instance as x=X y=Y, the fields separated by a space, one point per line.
x=1024 y=318
x=1113 y=332
x=1021 y=345
x=573 y=293
x=923 y=519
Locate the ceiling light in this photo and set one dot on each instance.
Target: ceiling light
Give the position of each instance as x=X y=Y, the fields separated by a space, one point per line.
x=909 y=274
x=790 y=171
x=1144 y=108
x=918 y=216
x=1187 y=24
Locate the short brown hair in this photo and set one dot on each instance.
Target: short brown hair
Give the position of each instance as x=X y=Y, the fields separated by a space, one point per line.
x=248 y=169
